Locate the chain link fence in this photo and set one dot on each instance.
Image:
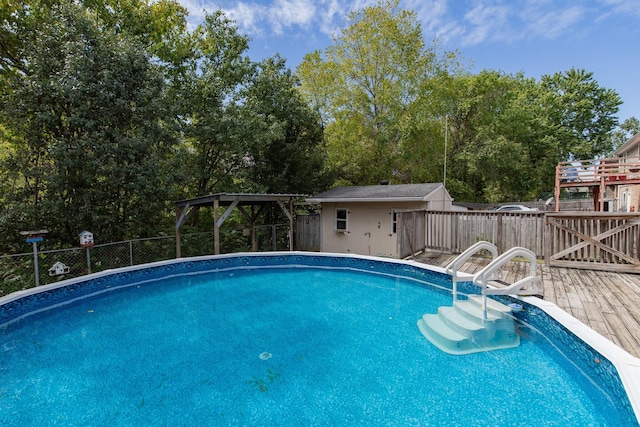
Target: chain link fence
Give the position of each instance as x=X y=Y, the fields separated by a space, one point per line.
x=17 y=272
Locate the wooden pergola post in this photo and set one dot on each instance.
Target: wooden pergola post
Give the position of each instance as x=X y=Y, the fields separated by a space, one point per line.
x=290 y=223
x=216 y=226
x=178 y=243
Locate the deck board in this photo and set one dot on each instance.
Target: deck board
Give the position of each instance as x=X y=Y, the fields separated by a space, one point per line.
x=609 y=303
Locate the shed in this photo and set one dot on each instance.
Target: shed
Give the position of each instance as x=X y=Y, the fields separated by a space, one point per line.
x=362 y=219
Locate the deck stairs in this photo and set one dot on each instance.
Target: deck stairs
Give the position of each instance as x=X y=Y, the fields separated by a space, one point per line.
x=478 y=323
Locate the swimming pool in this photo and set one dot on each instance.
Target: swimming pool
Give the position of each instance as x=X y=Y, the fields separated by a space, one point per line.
x=284 y=338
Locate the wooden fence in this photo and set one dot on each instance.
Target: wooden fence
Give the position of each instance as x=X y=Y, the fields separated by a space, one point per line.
x=308 y=233
x=410 y=232
x=596 y=241
x=589 y=240
x=564 y=205
x=453 y=232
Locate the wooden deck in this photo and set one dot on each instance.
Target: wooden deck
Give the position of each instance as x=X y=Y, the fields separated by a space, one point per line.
x=607 y=302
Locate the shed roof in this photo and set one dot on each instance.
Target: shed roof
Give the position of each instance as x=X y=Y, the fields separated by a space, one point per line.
x=378 y=193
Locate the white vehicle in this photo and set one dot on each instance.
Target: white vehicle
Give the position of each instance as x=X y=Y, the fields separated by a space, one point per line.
x=512 y=208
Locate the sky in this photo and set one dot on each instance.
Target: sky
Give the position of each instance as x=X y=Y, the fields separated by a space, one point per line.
x=535 y=37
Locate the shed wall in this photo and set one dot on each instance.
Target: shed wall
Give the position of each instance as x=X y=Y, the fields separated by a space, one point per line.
x=369 y=228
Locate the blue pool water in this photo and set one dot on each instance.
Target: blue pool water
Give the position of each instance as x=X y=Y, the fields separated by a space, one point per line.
x=287 y=345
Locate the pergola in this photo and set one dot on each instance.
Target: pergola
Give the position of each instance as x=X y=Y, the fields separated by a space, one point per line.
x=250 y=205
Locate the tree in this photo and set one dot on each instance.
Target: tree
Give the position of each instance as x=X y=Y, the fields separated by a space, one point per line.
x=488 y=133
x=206 y=90
x=89 y=131
x=159 y=26
x=508 y=133
x=285 y=143
x=580 y=114
x=366 y=89
x=624 y=132
x=246 y=124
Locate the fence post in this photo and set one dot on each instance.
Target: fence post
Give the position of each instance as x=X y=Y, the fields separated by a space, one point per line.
x=34 y=237
x=547 y=240
x=88 y=260
x=499 y=238
x=130 y=252
x=273 y=237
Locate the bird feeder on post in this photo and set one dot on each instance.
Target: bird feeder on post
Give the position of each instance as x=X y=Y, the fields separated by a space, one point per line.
x=33 y=237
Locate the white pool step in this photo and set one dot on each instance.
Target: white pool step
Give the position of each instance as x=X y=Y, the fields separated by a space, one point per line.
x=460 y=329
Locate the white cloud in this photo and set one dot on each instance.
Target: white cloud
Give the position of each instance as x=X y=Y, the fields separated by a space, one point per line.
x=454 y=22
x=551 y=23
x=248 y=17
x=269 y=17
x=627 y=7
x=288 y=13
x=434 y=19
x=486 y=23
x=196 y=11
x=502 y=21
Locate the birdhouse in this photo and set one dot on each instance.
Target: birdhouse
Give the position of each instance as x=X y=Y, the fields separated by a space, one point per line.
x=86 y=239
x=58 y=268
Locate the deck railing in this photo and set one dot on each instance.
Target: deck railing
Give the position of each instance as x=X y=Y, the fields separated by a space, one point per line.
x=589 y=240
x=596 y=241
x=590 y=171
x=597 y=174
x=453 y=232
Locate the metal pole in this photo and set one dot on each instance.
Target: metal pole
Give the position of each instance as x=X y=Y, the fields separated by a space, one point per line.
x=35 y=262
x=88 y=261
x=446 y=134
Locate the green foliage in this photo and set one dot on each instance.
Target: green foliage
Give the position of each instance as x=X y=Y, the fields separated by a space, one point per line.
x=90 y=134
x=110 y=110
x=508 y=133
x=487 y=138
x=246 y=125
x=389 y=102
x=624 y=132
x=284 y=137
x=206 y=95
x=89 y=113
x=369 y=88
x=579 y=114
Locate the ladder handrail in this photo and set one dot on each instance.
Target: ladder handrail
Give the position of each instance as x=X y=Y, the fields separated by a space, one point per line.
x=516 y=288
x=453 y=267
x=485 y=275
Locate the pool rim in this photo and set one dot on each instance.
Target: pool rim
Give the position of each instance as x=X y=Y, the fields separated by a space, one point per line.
x=627 y=365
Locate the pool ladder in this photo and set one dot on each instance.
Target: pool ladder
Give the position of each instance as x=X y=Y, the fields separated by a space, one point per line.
x=478 y=323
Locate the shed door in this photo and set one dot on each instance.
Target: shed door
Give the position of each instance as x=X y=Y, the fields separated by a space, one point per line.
x=373 y=234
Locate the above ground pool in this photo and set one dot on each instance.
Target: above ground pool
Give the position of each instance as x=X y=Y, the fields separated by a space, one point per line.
x=287 y=339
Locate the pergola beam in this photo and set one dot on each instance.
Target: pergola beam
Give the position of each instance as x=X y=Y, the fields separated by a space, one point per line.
x=227 y=212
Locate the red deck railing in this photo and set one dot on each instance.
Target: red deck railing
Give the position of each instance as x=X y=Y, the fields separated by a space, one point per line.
x=597 y=173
